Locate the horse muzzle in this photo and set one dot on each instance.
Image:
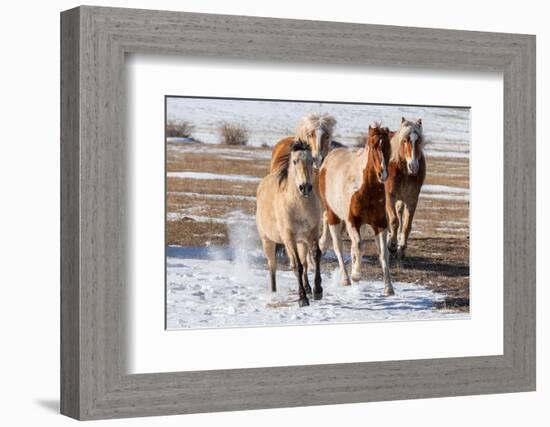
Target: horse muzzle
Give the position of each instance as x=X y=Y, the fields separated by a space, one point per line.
x=305 y=189
x=412 y=167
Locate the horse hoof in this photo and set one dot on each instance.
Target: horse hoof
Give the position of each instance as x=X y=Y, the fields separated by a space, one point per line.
x=356 y=277
x=318 y=295
x=303 y=302
x=388 y=291
x=400 y=254
x=345 y=281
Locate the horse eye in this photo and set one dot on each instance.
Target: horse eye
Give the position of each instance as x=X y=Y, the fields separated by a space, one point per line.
x=294 y=161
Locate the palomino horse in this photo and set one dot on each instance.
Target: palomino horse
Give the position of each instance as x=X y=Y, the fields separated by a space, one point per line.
x=351 y=184
x=288 y=212
x=316 y=129
x=407 y=170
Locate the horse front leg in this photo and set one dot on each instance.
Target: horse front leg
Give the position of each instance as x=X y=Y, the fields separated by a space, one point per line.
x=304 y=254
x=317 y=289
x=393 y=223
x=294 y=256
x=407 y=218
x=384 y=262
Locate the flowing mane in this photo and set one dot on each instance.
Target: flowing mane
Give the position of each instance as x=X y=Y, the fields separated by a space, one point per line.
x=314 y=121
x=407 y=127
x=283 y=162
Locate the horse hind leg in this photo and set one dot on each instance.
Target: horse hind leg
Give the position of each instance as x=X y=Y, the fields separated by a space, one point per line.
x=271 y=255
x=305 y=254
x=324 y=240
x=336 y=235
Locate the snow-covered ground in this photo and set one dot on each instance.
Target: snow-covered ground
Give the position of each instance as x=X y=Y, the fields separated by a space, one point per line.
x=447 y=128
x=210 y=287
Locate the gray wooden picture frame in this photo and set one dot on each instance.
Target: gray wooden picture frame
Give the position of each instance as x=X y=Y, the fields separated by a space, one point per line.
x=94 y=381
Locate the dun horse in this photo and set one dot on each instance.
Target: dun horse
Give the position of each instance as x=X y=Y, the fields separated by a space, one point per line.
x=407 y=170
x=315 y=129
x=351 y=185
x=288 y=212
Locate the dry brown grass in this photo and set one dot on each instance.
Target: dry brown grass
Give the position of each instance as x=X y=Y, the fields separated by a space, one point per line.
x=202 y=162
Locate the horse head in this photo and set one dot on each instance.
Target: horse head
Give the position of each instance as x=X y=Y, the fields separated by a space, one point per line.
x=378 y=146
x=316 y=130
x=410 y=140
x=301 y=167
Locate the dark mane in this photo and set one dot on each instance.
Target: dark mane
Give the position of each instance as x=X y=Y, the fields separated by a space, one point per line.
x=284 y=161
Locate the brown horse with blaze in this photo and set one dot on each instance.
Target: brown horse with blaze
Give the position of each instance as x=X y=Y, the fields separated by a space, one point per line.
x=351 y=185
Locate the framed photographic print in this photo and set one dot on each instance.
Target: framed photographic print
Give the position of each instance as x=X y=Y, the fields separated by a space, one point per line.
x=292 y=213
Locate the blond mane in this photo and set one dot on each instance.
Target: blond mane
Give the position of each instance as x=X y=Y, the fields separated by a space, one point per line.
x=314 y=121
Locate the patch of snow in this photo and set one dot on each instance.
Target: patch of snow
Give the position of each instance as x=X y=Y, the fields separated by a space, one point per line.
x=176 y=139
x=208 y=175
x=236 y=217
x=211 y=196
x=446 y=197
x=430 y=188
x=211 y=287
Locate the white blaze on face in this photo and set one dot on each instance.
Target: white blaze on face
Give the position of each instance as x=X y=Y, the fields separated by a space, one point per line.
x=412 y=164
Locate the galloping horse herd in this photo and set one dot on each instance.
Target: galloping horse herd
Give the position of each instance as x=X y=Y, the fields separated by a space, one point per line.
x=317 y=186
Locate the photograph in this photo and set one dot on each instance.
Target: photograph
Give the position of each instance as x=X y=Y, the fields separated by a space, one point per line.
x=286 y=212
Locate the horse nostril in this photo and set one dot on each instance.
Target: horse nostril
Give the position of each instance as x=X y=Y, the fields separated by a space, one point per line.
x=309 y=187
x=301 y=187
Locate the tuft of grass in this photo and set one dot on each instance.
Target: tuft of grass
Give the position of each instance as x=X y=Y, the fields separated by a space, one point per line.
x=179 y=129
x=233 y=134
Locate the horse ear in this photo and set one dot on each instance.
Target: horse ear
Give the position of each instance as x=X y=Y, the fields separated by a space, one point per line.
x=419 y=122
x=403 y=120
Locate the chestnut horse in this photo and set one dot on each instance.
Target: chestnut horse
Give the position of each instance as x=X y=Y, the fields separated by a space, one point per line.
x=407 y=170
x=351 y=184
x=288 y=212
x=316 y=130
